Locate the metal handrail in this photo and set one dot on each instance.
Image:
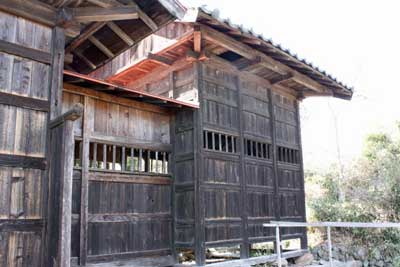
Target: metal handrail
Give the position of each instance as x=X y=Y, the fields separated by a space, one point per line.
x=278 y=224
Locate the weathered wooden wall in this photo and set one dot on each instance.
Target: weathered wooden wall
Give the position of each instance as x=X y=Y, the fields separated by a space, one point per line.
x=237 y=160
x=29 y=73
x=125 y=208
x=249 y=160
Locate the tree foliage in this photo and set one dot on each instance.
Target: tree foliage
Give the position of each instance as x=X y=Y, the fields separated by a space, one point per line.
x=371 y=189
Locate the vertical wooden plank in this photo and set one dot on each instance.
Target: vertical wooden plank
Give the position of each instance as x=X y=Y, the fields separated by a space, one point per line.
x=94 y=164
x=123 y=168
x=205 y=133
x=156 y=167
x=17 y=209
x=132 y=161
x=5 y=188
x=8 y=27
x=220 y=142
x=213 y=140
x=149 y=167
x=6 y=67
x=114 y=156
x=164 y=167
x=104 y=156
x=140 y=160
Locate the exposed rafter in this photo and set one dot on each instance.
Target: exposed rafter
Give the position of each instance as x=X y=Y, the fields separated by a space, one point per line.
x=85 y=59
x=94 y=27
x=146 y=19
x=121 y=34
x=246 y=51
x=101 y=46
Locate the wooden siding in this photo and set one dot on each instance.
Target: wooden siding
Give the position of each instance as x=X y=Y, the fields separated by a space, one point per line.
x=126 y=215
x=27 y=59
x=238 y=189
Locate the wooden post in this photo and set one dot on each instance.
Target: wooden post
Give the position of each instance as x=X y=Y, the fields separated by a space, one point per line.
x=200 y=253
x=304 y=240
x=85 y=182
x=245 y=246
x=274 y=151
x=61 y=173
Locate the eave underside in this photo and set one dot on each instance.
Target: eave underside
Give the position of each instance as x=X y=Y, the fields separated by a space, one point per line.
x=202 y=42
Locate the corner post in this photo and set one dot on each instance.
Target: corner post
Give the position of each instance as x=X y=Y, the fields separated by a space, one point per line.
x=200 y=250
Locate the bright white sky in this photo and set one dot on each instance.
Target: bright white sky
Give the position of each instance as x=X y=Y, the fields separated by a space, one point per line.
x=356 y=41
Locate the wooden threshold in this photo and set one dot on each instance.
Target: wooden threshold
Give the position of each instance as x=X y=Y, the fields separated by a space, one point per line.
x=252 y=261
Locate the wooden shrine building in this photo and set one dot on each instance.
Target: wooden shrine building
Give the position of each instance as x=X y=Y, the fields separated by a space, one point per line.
x=131 y=130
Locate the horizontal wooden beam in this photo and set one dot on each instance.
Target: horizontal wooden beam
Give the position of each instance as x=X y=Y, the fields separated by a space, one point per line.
x=160 y=59
x=125 y=141
x=33 y=10
x=89 y=14
x=127 y=217
x=138 y=178
x=104 y=3
x=248 y=52
x=25 y=225
x=37 y=11
x=24 y=102
x=9 y=160
x=25 y=52
x=281 y=79
x=141 y=14
x=144 y=258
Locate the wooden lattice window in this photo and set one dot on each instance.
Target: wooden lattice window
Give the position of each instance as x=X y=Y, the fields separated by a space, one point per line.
x=219 y=142
x=110 y=157
x=257 y=149
x=288 y=155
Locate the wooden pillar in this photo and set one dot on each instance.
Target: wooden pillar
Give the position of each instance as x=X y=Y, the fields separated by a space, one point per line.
x=245 y=246
x=87 y=116
x=304 y=241
x=60 y=197
x=200 y=253
x=274 y=155
x=172 y=170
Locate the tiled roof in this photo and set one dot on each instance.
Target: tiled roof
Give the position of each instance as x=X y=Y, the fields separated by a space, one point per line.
x=283 y=55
